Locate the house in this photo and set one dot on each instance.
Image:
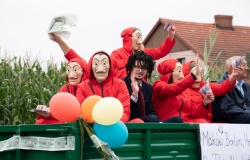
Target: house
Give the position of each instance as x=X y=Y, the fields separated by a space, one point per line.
x=190 y=39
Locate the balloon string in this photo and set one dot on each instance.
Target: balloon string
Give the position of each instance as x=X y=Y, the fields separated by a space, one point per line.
x=104 y=149
x=89 y=130
x=81 y=137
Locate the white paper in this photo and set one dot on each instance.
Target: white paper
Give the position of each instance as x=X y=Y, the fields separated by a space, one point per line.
x=225 y=141
x=62 y=25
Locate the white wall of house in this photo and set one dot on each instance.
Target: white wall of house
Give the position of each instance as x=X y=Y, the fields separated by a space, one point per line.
x=187 y=55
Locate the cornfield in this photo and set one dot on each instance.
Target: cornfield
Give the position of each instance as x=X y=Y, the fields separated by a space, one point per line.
x=24 y=85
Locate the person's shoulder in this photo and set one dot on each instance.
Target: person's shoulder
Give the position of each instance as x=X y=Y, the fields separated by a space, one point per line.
x=116 y=51
x=247 y=84
x=119 y=79
x=157 y=82
x=124 y=79
x=84 y=82
x=223 y=78
x=146 y=84
x=63 y=88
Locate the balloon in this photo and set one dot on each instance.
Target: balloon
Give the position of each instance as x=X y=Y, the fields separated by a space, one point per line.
x=64 y=107
x=114 y=135
x=107 y=111
x=87 y=108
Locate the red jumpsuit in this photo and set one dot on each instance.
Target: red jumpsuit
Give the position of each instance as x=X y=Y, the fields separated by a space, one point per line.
x=120 y=56
x=111 y=87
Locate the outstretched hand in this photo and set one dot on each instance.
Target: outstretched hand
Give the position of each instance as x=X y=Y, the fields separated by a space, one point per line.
x=45 y=110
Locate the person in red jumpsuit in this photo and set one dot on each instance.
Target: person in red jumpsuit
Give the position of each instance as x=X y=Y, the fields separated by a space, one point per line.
x=76 y=72
x=132 y=41
x=102 y=82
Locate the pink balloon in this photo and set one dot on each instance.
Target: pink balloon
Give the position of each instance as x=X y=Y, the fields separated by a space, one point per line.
x=64 y=107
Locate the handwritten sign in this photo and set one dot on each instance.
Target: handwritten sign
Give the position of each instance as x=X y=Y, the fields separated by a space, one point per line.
x=225 y=141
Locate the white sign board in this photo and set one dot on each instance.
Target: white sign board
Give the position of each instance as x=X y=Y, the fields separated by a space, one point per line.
x=225 y=141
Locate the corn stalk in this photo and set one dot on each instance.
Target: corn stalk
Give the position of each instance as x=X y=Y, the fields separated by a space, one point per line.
x=24 y=85
x=213 y=34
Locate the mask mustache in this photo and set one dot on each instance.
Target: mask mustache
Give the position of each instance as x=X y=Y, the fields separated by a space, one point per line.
x=73 y=77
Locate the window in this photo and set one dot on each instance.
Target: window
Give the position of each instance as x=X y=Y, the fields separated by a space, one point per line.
x=181 y=60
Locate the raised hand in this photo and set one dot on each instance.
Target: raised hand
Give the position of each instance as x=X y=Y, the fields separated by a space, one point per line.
x=55 y=38
x=141 y=48
x=235 y=74
x=197 y=71
x=134 y=86
x=63 y=45
x=171 y=32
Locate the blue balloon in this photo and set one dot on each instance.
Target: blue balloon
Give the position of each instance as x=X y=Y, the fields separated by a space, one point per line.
x=114 y=135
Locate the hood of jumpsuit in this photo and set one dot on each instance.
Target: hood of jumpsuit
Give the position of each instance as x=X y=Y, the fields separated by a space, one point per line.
x=91 y=72
x=165 y=68
x=186 y=68
x=127 y=38
x=83 y=65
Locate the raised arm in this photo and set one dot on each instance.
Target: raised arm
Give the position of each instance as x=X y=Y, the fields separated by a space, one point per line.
x=68 y=52
x=164 y=48
x=163 y=89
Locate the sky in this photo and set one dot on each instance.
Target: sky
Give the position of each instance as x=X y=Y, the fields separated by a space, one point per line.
x=24 y=23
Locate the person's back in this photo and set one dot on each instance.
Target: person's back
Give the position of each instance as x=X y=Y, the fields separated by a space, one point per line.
x=101 y=82
x=132 y=41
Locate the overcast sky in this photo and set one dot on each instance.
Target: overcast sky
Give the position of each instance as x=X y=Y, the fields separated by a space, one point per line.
x=24 y=23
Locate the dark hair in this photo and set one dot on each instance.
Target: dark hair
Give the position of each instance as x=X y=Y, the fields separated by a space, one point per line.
x=145 y=61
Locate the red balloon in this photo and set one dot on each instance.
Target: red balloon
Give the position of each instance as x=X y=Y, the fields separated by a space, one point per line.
x=64 y=107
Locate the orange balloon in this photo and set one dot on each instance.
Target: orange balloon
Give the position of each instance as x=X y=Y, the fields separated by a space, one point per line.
x=87 y=107
x=64 y=107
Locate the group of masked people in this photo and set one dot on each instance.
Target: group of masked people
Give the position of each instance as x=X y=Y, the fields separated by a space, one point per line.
x=174 y=98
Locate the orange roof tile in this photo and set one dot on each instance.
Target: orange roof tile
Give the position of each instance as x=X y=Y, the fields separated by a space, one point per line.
x=230 y=42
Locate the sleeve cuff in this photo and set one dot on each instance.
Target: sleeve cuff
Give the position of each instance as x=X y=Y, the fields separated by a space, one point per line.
x=134 y=99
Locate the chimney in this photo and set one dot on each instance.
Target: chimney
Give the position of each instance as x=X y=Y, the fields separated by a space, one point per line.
x=224 y=22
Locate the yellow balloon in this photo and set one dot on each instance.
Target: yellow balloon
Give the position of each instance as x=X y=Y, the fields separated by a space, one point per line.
x=107 y=111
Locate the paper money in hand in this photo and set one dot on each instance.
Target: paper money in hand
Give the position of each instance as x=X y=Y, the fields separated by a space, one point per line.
x=168 y=26
x=205 y=88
